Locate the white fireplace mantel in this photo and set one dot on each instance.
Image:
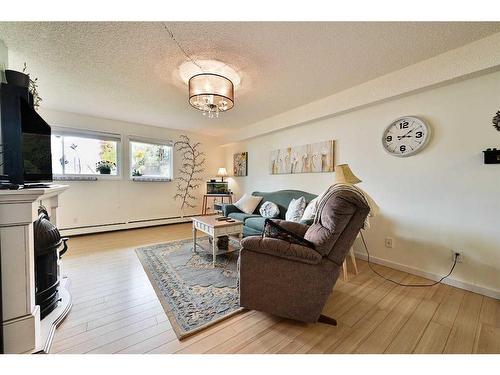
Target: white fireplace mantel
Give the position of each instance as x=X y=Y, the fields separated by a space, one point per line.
x=23 y=331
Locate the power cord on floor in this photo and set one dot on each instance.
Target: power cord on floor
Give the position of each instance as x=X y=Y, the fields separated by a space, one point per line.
x=409 y=285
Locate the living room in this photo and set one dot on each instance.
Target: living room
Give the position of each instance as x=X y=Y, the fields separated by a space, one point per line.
x=252 y=187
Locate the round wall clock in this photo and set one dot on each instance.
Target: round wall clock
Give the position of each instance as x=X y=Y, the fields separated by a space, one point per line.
x=406 y=136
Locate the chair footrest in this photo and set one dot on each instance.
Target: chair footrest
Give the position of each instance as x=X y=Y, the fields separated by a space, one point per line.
x=327 y=320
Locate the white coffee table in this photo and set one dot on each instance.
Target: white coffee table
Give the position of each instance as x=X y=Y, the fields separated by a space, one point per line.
x=207 y=224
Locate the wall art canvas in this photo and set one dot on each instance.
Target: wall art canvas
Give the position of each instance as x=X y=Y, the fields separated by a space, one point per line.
x=240 y=164
x=311 y=158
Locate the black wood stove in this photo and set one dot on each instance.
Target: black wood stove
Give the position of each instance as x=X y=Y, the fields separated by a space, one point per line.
x=48 y=240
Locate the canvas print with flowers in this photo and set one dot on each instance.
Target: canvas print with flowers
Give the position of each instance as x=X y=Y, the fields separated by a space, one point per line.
x=240 y=164
x=311 y=158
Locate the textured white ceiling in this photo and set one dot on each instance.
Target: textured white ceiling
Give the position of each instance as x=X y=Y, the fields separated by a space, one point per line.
x=128 y=71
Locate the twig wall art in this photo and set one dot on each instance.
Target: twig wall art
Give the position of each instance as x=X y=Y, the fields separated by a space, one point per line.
x=188 y=179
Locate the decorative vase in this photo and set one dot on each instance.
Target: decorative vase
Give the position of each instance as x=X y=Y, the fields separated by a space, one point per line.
x=105 y=171
x=16 y=78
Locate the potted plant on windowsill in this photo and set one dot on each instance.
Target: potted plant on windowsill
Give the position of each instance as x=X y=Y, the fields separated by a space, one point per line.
x=105 y=167
x=136 y=172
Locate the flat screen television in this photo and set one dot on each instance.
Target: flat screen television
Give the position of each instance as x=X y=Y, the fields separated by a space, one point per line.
x=35 y=145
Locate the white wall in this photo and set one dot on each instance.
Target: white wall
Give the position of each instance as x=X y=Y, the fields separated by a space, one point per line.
x=473 y=59
x=441 y=199
x=104 y=202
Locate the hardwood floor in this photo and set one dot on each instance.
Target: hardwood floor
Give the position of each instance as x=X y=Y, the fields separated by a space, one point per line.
x=116 y=311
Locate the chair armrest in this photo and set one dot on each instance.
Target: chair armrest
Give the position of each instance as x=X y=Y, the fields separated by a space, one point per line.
x=291 y=226
x=281 y=249
x=229 y=208
x=307 y=222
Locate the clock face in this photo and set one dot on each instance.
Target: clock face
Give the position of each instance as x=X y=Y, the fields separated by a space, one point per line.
x=406 y=136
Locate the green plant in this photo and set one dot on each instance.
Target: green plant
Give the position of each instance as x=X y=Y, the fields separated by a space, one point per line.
x=105 y=167
x=108 y=151
x=33 y=89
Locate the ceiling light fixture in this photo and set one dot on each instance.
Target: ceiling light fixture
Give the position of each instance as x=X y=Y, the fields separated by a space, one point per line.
x=211 y=93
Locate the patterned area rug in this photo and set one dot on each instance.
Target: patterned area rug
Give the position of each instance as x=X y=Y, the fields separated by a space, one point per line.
x=193 y=294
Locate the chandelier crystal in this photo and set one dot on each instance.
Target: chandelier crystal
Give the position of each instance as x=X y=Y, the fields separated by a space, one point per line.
x=211 y=93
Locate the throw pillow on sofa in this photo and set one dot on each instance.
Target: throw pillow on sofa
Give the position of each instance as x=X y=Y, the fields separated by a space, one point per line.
x=269 y=210
x=295 y=209
x=311 y=209
x=248 y=203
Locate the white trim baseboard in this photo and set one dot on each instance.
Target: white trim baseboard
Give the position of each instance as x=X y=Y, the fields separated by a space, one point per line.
x=493 y=293
x=123 y=226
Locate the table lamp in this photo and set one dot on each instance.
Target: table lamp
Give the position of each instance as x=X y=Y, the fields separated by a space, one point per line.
x=222 y=173
x=344 y=175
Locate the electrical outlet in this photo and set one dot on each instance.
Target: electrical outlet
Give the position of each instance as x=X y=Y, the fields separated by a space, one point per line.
x=460 y=258
x=389 y=242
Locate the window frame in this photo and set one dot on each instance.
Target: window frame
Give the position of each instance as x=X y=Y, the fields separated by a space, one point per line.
x=151 y=141
x=90 y=134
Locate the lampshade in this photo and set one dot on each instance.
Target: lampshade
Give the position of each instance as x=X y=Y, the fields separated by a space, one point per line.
x=222 y=172
x=344 y=175
x=211 y=93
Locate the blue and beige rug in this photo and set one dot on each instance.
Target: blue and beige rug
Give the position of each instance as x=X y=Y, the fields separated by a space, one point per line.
x=193 y=294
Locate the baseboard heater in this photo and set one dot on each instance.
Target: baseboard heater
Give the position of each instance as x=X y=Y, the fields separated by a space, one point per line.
x=142 y=223
x=160 y=218
x=92 y=226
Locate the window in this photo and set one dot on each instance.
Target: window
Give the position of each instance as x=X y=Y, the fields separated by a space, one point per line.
x=79 y=153
x=150 y=161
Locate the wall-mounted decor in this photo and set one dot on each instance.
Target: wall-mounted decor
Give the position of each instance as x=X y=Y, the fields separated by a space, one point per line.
x=188 y=180
x=240 y=164
x=311 y=158
x=496 y=121
x=406 y=136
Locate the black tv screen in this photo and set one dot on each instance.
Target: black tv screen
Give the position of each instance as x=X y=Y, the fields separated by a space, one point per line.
x=36 y=153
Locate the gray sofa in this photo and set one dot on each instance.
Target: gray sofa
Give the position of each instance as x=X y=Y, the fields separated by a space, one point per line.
x=254 y=223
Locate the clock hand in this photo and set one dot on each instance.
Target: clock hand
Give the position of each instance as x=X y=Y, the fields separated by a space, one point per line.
x=408 y=133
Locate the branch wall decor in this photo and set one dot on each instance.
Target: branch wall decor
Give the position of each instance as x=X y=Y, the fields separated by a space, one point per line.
x=193 y=161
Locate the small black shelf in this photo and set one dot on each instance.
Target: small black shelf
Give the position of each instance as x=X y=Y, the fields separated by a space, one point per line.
x=491 y=156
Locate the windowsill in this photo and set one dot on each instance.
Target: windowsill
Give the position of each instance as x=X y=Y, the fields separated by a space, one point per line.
x=150 y=179
x=108 y=177
x=86 y=177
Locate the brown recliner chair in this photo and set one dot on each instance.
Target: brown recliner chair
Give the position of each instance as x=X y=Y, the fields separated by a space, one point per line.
x=294 y=281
